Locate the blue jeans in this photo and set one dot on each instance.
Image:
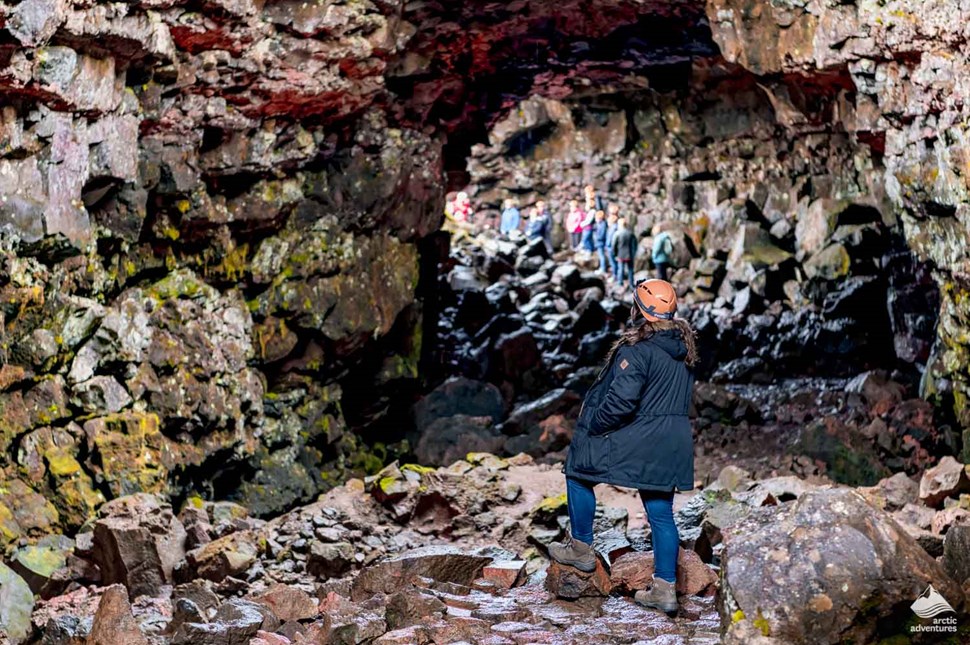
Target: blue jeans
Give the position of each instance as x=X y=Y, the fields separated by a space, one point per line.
x=602 y=253
x=611 y=261
x=581 y=503
x=624 y=272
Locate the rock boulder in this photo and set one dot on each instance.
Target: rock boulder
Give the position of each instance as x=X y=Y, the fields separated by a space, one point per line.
x=138 y=542
x=825 y=568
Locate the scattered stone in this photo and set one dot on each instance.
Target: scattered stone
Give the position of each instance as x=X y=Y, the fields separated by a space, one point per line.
x=288 y=603
x=505 y=575
x=634 y=571
x=943 y=520
x=440 y=563
x=138 y=542
x=956 y=554
x=113 y=622
x=412 y=607
x=463 y=396
x=39 y=564
x=946 y=479
x=892 y=493
x=571 y=583
x=228 y=556
x=234 y=622
x=880 y=392
x=330 y=560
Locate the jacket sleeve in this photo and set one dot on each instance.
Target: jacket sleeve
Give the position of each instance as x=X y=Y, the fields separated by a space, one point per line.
x=624 y=395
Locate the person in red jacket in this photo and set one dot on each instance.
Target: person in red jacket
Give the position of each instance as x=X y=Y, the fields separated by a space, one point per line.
x=574 y=223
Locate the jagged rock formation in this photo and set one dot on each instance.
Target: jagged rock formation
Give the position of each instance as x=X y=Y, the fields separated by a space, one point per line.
x=904 y=63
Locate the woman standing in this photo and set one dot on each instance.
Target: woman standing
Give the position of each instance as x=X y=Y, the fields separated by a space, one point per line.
x=574 y=223
x=633 y=431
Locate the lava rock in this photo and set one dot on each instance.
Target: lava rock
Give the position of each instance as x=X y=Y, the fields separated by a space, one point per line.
x=892 y=493
x=505 y=575
x=138 y=542
x=946 y=479
x=16 y=605
x=956 y=553
x=288 y=603
x=330 y=560
x=39 y=564
x=412 y=607
x=806 y=569
x=113 y=622
x=634 y=571
x=440 y=563
x=529 y=416
x=234 y=623
x=449 y=439
x=459 y=395
x=230 y=555
x=570 y=583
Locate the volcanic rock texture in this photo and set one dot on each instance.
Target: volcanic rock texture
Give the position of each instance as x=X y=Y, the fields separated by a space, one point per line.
x=216 y=215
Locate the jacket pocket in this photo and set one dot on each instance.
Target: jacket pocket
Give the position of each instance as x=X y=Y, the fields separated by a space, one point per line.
x=593 y=454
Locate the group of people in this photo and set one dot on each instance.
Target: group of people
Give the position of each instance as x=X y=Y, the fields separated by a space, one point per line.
x=593 y=226
x=598 y=228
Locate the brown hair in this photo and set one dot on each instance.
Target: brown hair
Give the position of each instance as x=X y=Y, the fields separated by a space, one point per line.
x=644 y=329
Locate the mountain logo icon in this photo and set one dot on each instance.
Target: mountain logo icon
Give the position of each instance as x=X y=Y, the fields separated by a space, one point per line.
x=930 y=603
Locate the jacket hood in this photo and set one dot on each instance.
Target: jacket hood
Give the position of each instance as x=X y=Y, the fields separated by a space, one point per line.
x=671 y=342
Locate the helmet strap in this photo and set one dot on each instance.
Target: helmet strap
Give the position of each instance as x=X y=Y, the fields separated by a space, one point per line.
x=651 y=310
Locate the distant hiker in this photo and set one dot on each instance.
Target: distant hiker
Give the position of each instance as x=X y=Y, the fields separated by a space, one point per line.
x=593 y=201
x=625 y=251
x=589 y=217
x=663 y=253
x=458 y=216
x=599 y=238
x=633 y=431
x=612 y=215
x=460 y=209
x=540 y=225
x=574 y=223
x=510 y=217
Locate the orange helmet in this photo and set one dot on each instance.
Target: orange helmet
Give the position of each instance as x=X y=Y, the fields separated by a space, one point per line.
x=656 y=299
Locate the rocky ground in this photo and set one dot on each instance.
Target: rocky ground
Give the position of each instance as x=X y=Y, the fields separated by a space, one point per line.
x=457 y=554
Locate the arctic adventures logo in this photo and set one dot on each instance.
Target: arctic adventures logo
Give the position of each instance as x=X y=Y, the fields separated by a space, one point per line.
x=932 y=605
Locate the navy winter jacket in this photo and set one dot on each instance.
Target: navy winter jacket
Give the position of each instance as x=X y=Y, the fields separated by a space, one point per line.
x=536 y=227
x=633 y=429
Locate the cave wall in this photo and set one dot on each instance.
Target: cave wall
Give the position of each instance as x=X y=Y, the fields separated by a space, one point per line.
x=907 y=60
x=205 y=216
x=778 y=226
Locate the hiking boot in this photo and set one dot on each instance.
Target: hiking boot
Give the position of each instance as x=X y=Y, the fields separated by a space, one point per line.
x=574 y=554
x=662 y=595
